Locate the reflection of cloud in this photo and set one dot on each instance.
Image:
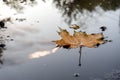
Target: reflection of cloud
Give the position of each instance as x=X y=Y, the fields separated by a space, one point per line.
x=27 y=40
x=18 y=56
x=42 y=53
x=23 y=29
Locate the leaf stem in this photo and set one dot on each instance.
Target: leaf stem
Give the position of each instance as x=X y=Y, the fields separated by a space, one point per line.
x=80 y=52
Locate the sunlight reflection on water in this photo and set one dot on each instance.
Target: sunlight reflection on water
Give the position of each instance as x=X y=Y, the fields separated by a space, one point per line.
x=42 y=53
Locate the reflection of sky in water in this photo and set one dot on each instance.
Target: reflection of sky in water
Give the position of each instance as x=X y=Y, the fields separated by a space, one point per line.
x=32 y=37
x=42 y=53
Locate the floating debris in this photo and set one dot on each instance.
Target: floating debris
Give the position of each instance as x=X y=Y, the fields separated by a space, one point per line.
x=76 y=75
x=74 y=26
x=103 y=28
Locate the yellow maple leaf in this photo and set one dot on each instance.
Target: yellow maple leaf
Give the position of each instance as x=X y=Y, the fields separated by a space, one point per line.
x=79 y=39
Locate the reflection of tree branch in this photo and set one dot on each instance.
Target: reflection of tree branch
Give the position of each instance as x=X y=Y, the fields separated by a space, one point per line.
x=70 y=9
x=19 y=4
x=3 y=37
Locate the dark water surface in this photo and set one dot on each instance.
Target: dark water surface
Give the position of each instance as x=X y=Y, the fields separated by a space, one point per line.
x=31 y=57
